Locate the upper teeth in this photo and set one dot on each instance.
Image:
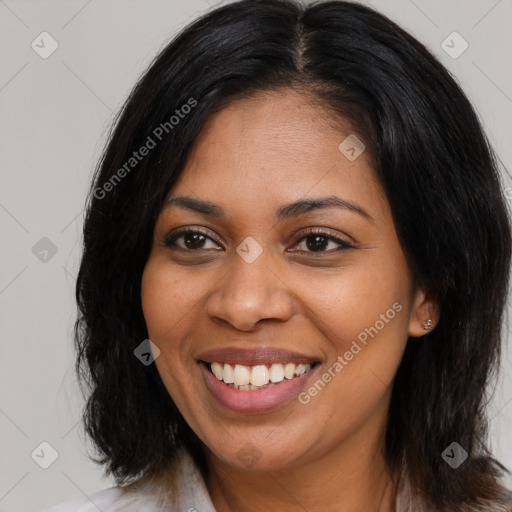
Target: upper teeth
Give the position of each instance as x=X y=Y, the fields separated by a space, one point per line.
x=241 y=375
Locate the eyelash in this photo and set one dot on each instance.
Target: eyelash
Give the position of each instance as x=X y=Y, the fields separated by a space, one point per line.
x=169 y=241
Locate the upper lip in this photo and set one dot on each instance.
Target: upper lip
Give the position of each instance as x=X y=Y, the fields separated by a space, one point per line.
x=254 y=356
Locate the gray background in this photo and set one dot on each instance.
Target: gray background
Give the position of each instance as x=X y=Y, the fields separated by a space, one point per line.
x=55 y=115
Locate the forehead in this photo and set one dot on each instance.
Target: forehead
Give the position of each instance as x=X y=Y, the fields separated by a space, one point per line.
x=278 y=125
x=275 y=146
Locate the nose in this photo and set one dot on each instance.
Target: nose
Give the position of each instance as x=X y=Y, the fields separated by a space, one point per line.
x=249 y=293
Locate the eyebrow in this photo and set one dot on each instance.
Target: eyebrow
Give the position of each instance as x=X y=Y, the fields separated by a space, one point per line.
x=284 y=212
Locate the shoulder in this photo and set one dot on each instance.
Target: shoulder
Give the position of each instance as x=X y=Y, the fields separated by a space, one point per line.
x=114 y=499
x=183 y=489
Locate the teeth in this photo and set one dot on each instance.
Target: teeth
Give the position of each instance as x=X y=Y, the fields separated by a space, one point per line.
x=228 y=375
x=217 y=370
x=301 y=368
x=259 y=375
x=247 y=378
x=276 y=373
x=241 y=375
x=289 y=371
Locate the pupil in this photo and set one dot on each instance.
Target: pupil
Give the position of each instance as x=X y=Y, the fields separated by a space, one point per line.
x=197 y=239
x=319 y=242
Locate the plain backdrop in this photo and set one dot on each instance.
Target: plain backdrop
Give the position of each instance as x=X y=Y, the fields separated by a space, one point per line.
x=55 y=111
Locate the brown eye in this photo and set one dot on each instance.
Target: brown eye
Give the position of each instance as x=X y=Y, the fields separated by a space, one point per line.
x=192 y=240
x=321 y=242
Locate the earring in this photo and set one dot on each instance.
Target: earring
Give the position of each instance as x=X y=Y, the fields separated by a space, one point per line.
x=427 y=326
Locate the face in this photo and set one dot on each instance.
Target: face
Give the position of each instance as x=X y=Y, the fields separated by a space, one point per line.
x=276 y=289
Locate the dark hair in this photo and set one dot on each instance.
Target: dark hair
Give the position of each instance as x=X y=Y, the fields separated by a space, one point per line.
x=442 y=183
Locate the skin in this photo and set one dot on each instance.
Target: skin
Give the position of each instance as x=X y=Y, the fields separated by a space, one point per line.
x=250 y=159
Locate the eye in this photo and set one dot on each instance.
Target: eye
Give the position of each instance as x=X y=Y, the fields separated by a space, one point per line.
x=189 y=240
x=314 y=240
x=318 y=240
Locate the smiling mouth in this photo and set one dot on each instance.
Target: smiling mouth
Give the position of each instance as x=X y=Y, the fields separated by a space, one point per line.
x=257 y=377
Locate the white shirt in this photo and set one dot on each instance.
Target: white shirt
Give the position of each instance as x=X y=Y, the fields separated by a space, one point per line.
x=191 y=495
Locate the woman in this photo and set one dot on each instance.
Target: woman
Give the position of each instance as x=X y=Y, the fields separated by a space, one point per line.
x=296 y=258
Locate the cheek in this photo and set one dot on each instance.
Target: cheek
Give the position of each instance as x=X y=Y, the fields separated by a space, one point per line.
x=166 y=307
x=167 y=312
x=363 y=317
x=157 y=297
x=346 y=304
x=168 y=302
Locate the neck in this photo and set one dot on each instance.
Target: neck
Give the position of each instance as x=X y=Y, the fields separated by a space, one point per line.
x=353 y=477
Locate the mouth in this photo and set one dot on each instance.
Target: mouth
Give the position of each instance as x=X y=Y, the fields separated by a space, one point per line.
x=262 y=376
x=256 y=380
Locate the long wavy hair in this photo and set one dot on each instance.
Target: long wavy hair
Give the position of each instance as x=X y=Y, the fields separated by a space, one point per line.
x=435 y=166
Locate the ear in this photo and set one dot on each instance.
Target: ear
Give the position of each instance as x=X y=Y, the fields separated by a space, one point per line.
x=424 y=308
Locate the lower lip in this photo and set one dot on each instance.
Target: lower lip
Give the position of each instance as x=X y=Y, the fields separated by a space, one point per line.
x=257 y=400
